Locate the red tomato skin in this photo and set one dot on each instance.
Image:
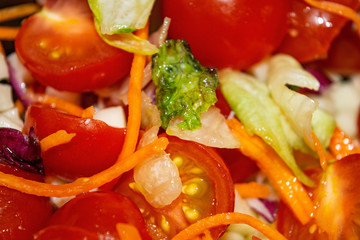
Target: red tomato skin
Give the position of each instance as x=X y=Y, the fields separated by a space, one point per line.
x=235 y=33
x=311 y=30
x=21 y=215
x=99 y=212
x=95 y=147
x=69 y=54
x=342 y=196
x=60 y=232
x=203 y=157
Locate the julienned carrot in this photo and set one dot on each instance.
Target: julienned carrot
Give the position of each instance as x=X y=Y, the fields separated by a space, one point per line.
x=320 y=151
x=88 y=112
x=207 y=235
x=18 y=11
x=252 y=190
x=337 y=9
x=134 y=99
x=8 y=33
x=84 y=184
x=55 y=139
x=227 y=218
x=127 y=232
x=289 y=188
x=58 y=103
x=341 y=144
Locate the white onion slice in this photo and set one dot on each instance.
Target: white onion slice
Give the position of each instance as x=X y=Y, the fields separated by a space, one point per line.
x=298 y=108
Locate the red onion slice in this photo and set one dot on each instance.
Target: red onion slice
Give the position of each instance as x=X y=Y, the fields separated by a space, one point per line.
x=266 y=208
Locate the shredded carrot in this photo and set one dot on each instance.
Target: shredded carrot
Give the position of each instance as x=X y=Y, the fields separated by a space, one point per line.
x=207 y=235
x=58 y=103
x=134 y=99
x=290 y=189
x=337 y=9
x=255 y=238
x=2 y=51
x=83 y=184
x=88 y=112
x=227 y=218
x=8 y=33
x=252 y=190
x=20 y=106
x=57 y=138
x=341 y=144
x=18 y=11
x=320 y=151
x=127 y=232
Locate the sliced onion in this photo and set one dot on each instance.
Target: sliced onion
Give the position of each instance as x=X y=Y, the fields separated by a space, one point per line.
x=323 y=79
x=158 y=179
x=266 y=208
x=285 y=71
x=214 y=131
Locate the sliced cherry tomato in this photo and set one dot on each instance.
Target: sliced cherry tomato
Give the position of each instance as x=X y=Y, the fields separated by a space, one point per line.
x=21 y=215
x=99 y=212
x=60 y=232
x=61 y=48
x=235 y=33
x=95 y=147
x=337 y=199
x=312 y=30
x=344 y=54
x=207 y=189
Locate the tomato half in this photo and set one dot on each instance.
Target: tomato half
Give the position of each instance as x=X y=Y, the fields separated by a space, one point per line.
x=207 y=190
x=95 y=147
x=312 y=30
x=234 y=33
x=21 y=215
x=337 y=200
x=61 y=48
x=99 y=212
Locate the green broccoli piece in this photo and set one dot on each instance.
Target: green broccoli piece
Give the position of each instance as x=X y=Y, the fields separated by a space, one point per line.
x=184 y=87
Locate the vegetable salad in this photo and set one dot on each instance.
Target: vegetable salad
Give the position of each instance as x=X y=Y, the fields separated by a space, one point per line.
x=179 y=119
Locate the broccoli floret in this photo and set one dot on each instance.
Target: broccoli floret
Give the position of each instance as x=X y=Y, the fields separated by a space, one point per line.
x=184 y=87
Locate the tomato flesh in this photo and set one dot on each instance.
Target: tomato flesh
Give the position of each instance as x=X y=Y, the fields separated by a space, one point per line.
x=235 y=33
x=311 y=30
x=337 y=202
x=21 y=215
x=61 y=48
x=99 y=212
x=207 y=190
x=95 y=147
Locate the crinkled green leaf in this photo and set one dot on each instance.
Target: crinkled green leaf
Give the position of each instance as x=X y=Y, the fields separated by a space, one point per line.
x=184 y=87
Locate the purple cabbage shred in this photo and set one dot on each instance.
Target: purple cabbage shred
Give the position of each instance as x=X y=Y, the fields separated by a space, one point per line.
x=20 y=150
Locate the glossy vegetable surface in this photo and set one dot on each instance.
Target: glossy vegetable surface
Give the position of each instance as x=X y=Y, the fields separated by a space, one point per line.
x=235 y=33
x=94 y=148
x=61 y=48
x=207 y=190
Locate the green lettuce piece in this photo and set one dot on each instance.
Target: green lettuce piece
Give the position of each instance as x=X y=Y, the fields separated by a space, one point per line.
x=251 y=101
x=115 y=20
x=323 y=125
x=184 y=87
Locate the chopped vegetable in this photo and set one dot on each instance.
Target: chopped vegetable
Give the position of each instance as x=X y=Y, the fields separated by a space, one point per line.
x=55 y=139
x=184 y=87
x=21 y=150
x=252 y=190
x=116 y=20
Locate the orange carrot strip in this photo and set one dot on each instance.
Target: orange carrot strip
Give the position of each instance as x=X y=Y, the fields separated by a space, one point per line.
x=83 y=184
x=88 y=112
x=127 y=232
x=252 y=190
x=2 y=51
x=341 y=144
x=255 y=238
x=134 y=99
x=227 y=218
x=55 y=139
x=58 y=103
x=290 y=189
x=337 y=9
x=18 y=11
x=320 y=151
x=8 y=33
x=207 y=235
